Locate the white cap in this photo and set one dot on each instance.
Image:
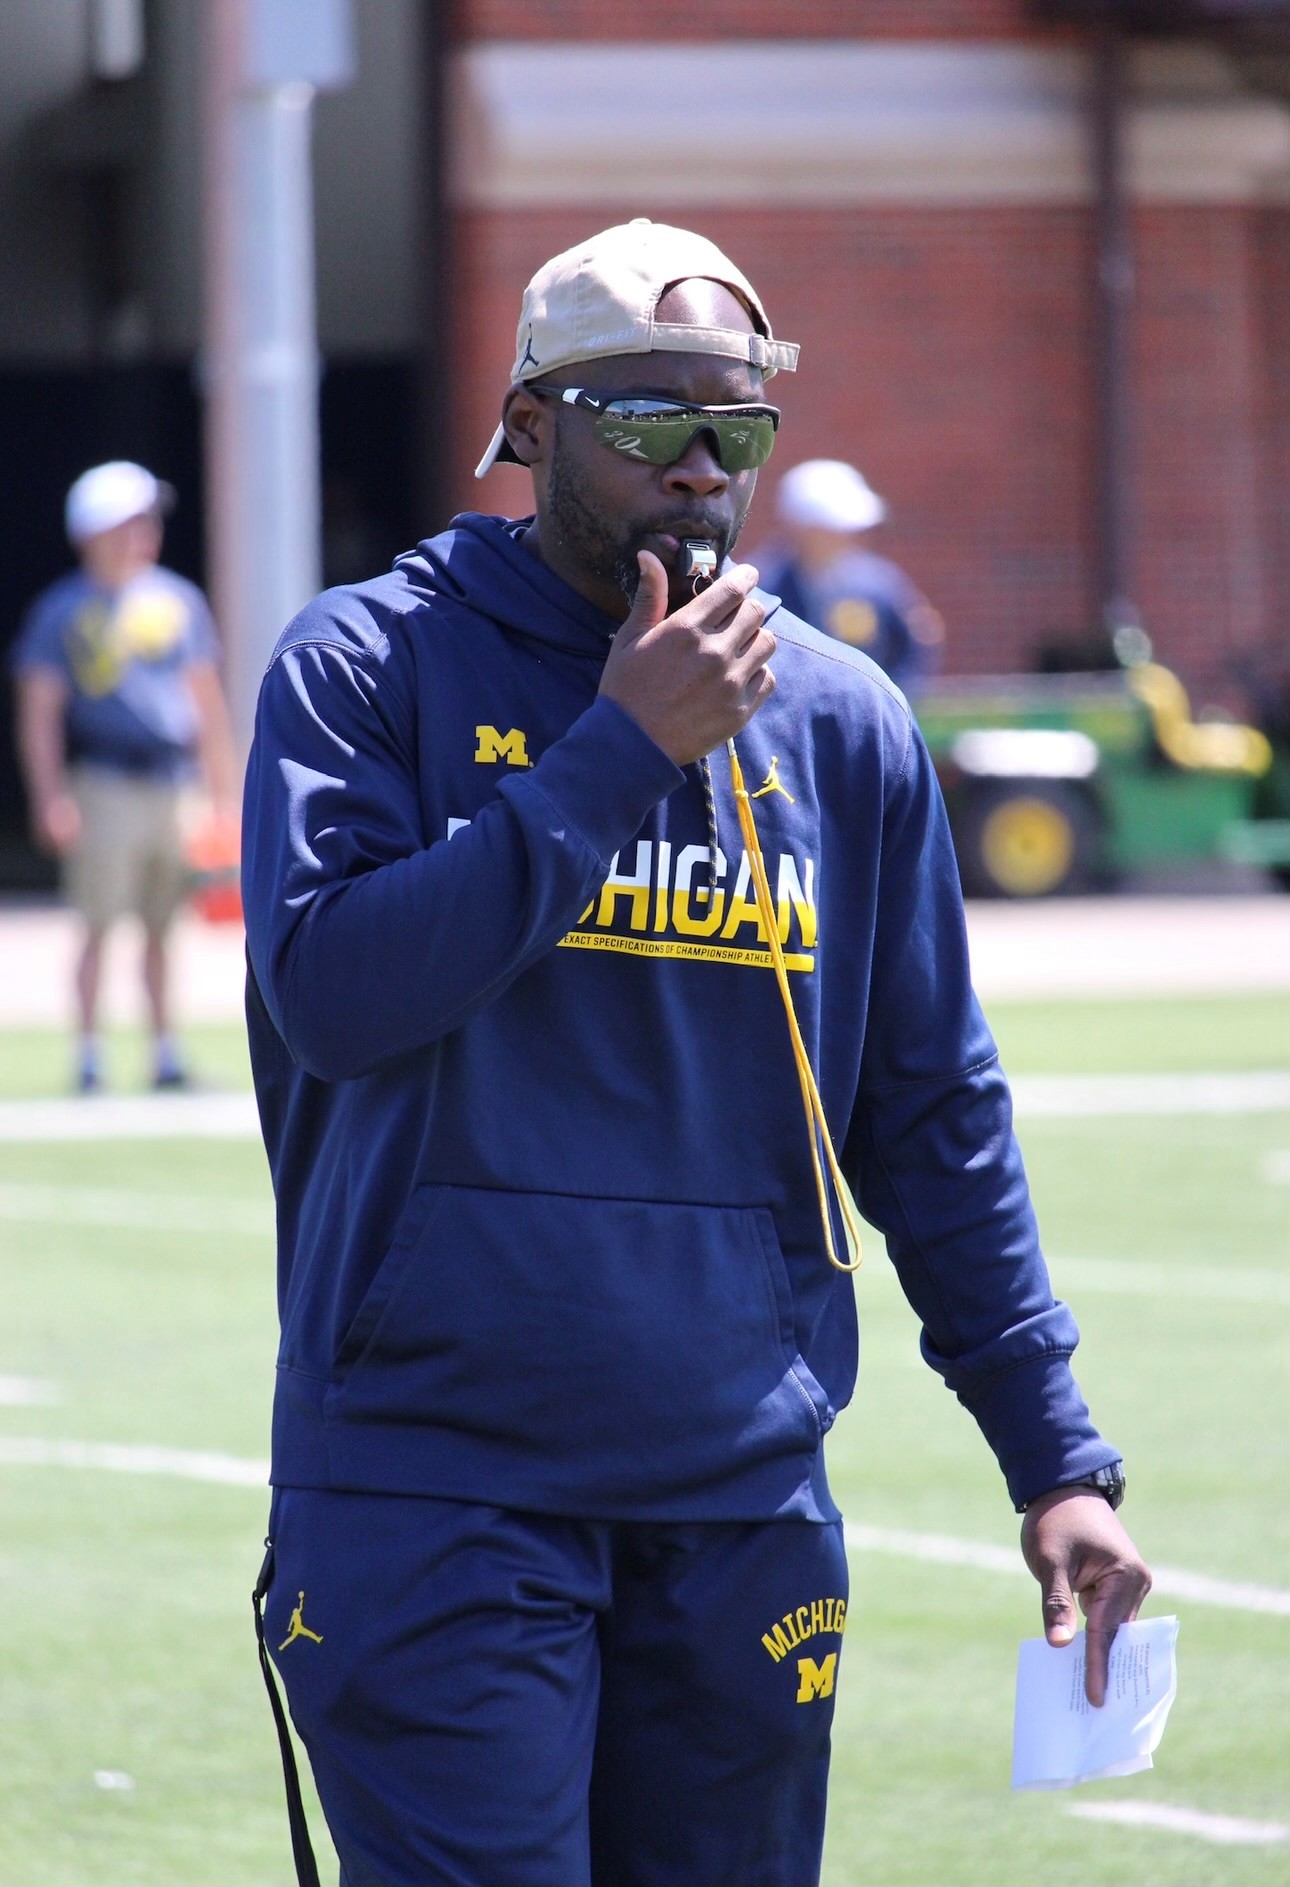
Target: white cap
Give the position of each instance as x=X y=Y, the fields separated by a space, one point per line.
x=828 y=495
x=107 y=495
x=599 y=298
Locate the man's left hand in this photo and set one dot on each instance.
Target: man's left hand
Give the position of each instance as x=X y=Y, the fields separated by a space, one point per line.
x=1075 y=1546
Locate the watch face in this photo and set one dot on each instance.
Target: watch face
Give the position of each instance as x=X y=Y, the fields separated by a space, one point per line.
x=1110 y=1481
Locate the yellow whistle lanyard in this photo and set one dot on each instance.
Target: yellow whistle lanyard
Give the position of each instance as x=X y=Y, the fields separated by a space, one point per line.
x=812 y=1106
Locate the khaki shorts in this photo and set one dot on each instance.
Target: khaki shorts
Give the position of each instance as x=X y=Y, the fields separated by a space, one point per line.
x=129 y=860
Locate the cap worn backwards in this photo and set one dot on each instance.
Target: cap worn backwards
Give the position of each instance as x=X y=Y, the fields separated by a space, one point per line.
x=601 y=297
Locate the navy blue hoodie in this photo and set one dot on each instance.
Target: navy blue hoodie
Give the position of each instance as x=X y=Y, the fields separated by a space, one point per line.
x=548 y=1233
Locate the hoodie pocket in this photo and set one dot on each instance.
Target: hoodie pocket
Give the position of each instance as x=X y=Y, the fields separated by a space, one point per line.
x=627 y=1329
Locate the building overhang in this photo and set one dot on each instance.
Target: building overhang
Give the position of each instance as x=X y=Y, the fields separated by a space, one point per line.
x=834 y=123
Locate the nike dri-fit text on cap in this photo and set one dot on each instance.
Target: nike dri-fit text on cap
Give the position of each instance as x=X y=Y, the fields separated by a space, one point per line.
x=600 y=298
x=107 y=495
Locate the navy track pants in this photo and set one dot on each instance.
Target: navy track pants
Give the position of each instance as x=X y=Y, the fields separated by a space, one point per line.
x=512 y=1700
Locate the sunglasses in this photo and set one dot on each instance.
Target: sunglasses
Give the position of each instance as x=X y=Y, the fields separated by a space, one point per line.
x=660 y=431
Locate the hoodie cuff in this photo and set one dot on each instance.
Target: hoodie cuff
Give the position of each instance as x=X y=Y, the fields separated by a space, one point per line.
x=1038 y=1425
x=605 y=776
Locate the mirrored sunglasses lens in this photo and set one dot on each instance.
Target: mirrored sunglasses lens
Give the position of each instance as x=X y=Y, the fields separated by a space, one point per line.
x=662 y=437
x=660 y=441
x=745 y=442
x=650 y=410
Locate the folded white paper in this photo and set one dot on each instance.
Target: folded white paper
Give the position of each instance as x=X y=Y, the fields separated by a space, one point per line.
x=1060 y=1739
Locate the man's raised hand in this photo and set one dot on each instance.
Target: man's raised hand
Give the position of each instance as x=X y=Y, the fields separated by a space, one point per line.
x=693 y=678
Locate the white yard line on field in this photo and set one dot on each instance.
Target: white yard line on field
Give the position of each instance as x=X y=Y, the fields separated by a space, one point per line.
x=28 y=1392
x=1133 y=1277
x=938 y=1548
x=1228 y=1831
x=204 y=1213
x=137 y=1211
x=1067 y=1097
x=132 y=1117
x=1037 y=1097
x=1168 y=1582
x=1032 y=950
x=186 y=1464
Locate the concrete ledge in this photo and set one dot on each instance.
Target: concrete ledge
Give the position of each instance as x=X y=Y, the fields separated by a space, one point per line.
x=831 y=123
x=1126 y=946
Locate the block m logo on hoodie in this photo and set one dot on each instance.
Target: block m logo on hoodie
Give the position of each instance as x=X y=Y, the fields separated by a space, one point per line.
x=492 y=747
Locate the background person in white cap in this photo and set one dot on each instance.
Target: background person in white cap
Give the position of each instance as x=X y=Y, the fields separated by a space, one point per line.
x=819 y=569
x=120 y=710
x=556 y=1585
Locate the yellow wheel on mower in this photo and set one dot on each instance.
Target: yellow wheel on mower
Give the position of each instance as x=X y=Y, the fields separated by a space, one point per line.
x=1026 y=839
x=1028 y=847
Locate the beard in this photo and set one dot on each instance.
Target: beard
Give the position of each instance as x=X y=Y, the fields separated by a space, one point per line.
x=606 y=546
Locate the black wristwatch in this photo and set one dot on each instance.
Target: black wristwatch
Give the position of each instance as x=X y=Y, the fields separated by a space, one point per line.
x=1107 y=1481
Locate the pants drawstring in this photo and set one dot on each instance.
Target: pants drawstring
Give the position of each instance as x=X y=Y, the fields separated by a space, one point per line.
x=301 y=1846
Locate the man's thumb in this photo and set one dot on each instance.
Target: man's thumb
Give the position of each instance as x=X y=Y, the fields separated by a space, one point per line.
x=1060 y=1618
x=650 y=603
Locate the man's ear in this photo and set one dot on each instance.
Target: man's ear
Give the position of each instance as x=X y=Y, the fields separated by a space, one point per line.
x=527 y=422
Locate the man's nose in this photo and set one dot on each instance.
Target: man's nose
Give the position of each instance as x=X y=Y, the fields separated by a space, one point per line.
x=698 y=469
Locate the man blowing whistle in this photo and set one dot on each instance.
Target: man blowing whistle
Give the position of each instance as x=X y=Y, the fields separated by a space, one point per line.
x=556 y=1575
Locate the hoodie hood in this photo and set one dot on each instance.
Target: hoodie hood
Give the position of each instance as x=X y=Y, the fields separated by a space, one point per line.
x=481 y=561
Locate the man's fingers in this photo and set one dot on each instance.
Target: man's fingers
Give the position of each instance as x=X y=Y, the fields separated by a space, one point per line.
x=732 y=640
x=1114 y=1598
x=650 y=604
x=753 y=656
x=762 y=688
x=1060 y=1620
x=747 y=628
x=1097 y=1654
x=719 y=606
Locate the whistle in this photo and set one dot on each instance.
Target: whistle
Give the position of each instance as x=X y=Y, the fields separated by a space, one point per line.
x=700 y=565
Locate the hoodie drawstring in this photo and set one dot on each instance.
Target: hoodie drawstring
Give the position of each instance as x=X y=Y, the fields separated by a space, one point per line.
x=812 y=1106
x=714 y=839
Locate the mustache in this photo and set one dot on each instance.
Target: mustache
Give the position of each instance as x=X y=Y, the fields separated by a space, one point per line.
x=720 y=532
x=696 y=524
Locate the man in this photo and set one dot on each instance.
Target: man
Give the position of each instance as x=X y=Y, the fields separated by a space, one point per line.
x=819 y=569
x=561 y=1337
x=119 y=704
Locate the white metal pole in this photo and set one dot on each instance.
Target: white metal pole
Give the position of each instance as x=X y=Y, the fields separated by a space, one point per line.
x=275 y=377
x=262 y=362
x=221 y=43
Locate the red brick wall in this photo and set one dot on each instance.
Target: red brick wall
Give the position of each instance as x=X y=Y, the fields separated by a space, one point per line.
x=741 y=19
x=1272 y=264
x=1201 y=468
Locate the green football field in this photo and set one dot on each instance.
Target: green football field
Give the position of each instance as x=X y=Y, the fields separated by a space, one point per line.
x=136 y=1278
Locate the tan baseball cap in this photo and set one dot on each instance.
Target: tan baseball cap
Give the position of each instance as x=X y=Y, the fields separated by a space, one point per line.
x=600 y=296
